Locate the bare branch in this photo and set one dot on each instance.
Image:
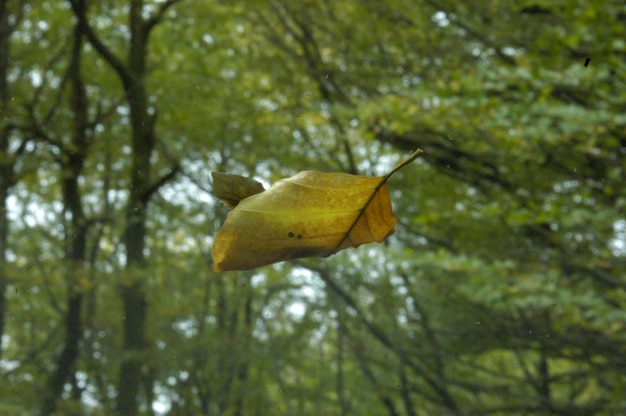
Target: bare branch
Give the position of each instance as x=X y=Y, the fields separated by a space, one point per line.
x=159 y=183
x=80 y=11
x=154 y=20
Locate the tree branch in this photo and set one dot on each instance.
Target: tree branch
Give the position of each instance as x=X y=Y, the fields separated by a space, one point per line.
x=80 y=11
x=158 y=16
x=436 y=385
x=159 y=183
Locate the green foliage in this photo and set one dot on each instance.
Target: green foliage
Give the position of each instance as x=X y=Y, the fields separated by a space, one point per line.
x=502 y=291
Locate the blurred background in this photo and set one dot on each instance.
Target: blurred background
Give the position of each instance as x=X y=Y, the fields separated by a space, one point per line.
x=502 y=292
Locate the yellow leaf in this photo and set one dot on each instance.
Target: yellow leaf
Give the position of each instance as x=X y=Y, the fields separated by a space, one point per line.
x=230 y=189
x=311 y=214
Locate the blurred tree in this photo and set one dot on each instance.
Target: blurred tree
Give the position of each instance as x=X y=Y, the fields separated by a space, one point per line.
x=501 y=293
x=73 y=155
x=502 y=103
x=142 y=185
x=6 y=167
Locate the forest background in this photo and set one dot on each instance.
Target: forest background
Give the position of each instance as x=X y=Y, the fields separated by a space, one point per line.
x=501 y=293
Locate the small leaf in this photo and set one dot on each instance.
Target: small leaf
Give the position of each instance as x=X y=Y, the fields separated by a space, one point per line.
x=230 y=189
x=311 y=214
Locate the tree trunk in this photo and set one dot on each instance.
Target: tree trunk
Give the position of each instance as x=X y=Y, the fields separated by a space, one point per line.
x=76 y=236
x=132 y=73
x=133 y=297
x=6 y=167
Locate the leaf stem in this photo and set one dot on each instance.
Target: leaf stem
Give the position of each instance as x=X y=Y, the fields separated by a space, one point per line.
x=399 y=166
x=402 y=164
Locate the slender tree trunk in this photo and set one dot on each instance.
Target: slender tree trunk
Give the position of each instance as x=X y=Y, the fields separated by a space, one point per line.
x=227 y=327
x=73 y=162
x=243 y=360
x=133 y=297
x=6 y=167
x=344 y=405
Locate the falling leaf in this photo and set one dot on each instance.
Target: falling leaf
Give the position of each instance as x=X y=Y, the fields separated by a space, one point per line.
x=311 y=214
